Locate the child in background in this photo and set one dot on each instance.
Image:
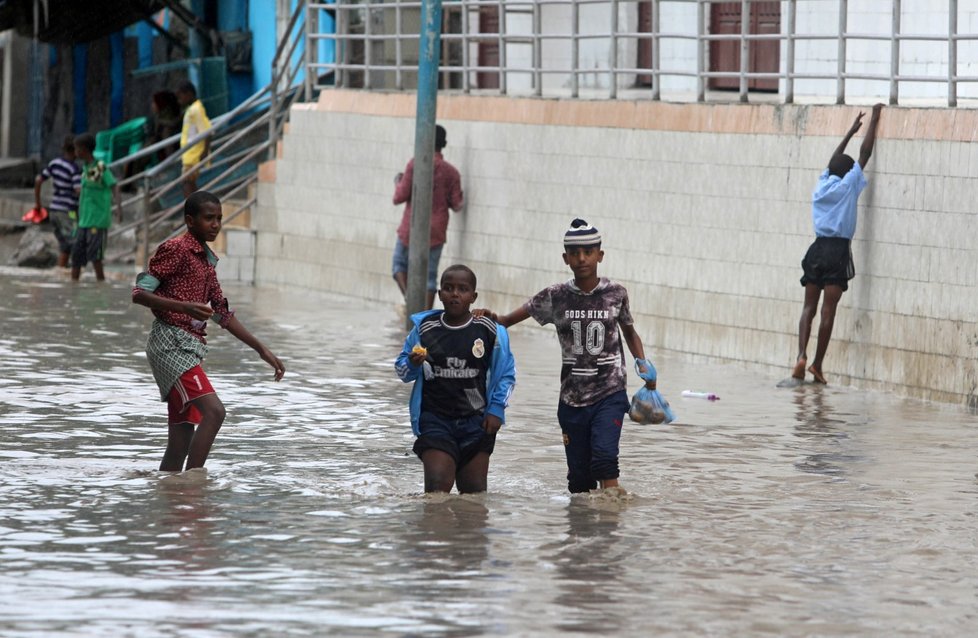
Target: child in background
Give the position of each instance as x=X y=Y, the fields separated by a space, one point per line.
x=828 y=266
x=463 y=375
x=182 y=290
x=588 y=312
x=446 y=195
x=195 y=122
x=63 y=209
x=98 y=191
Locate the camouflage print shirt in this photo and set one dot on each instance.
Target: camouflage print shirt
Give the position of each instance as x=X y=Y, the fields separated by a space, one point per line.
x=587 y=326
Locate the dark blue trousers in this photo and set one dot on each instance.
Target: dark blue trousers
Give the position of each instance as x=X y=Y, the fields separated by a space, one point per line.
x=591 y=436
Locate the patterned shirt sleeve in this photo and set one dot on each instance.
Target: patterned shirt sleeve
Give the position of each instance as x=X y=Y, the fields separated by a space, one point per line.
x=161 y=265
x=625 y=313
x=541 y=306
x=402 y=191
x=166 y=262
x=455 y=197
x=46 y=172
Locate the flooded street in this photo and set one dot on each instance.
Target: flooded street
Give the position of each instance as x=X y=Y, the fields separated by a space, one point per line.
x=784 y=512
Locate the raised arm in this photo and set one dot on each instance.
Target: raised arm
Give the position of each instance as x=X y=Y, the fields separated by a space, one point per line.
x=866 y=149
x=841 y=148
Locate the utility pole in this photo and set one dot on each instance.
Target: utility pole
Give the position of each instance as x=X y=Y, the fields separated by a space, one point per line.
x=424 y=157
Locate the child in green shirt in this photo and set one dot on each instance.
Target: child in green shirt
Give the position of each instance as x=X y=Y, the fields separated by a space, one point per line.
x=98 y=191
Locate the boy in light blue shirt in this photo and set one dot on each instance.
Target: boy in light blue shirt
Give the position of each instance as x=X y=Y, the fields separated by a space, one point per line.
x=828 y=263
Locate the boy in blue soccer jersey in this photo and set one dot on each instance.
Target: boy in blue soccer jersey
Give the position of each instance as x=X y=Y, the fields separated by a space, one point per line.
x=828 y=266
x=463 y=375
x=588 y=312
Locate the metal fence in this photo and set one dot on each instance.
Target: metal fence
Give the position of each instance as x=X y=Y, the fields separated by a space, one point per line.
x=658 y=49
x=238 y=140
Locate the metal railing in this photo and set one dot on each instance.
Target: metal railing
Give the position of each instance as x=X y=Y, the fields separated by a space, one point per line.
x=592 y=48
x=239 y=140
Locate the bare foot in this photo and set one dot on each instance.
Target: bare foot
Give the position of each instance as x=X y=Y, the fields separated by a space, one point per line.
x=819 y=378
x=799 y=371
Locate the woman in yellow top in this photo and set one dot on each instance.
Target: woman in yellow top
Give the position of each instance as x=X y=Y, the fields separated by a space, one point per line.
x=195 y=122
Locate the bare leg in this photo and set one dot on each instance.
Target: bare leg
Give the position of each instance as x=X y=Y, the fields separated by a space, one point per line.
x=211 y=418
x=439 y=471
x=99 y=271
x=189 y=185
x=831 y=301
x=177 y=446
x=62 y=260
x=812 y=293
x=474 y=476
x=401 y=279
x=75 y=273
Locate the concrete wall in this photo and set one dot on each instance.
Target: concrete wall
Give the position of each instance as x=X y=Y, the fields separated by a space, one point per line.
x=705 y=211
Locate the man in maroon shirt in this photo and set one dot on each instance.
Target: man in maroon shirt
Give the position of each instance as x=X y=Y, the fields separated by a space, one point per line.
x=447 y=194
x=181 y=288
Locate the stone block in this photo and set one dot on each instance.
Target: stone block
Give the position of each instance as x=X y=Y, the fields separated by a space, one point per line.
x=240 y=242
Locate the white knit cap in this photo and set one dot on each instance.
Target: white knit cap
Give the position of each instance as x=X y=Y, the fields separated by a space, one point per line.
x=582 y=233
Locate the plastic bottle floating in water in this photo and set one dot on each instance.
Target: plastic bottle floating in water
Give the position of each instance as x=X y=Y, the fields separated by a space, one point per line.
x=709 y=396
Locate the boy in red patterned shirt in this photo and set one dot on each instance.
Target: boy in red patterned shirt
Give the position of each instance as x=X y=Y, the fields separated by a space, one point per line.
x=181 y=288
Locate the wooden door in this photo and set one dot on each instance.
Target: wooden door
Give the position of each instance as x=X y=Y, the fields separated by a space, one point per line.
x=765 y=56
x=488 y=48
x=644 y=44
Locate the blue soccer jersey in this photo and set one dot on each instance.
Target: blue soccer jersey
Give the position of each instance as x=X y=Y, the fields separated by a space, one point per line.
x=458 y=365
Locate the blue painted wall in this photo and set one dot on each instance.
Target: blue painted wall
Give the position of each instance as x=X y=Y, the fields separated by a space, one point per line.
x=233 y=15
x=261 y=20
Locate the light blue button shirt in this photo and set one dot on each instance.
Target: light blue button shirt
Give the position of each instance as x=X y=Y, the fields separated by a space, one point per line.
x=834 y=203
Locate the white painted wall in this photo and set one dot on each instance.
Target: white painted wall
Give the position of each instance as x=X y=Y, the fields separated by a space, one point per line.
x=705 y=230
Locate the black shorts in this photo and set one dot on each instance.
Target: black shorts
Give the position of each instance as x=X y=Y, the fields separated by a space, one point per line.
x=461 y=438
x=89 y=246
x=65 y=225
x=828 y=262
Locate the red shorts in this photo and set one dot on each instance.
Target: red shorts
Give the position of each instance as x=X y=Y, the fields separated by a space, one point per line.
x=191 y=385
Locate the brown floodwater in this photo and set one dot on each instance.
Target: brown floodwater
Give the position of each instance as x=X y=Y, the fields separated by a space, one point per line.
x=779 y=512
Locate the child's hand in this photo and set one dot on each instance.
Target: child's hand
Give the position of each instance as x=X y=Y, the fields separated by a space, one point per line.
x=200 y=311
x=858 y=122
x=485 y=312
x=877 y=108
x=418 y=354
x=491 y=424
x=273 y=361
